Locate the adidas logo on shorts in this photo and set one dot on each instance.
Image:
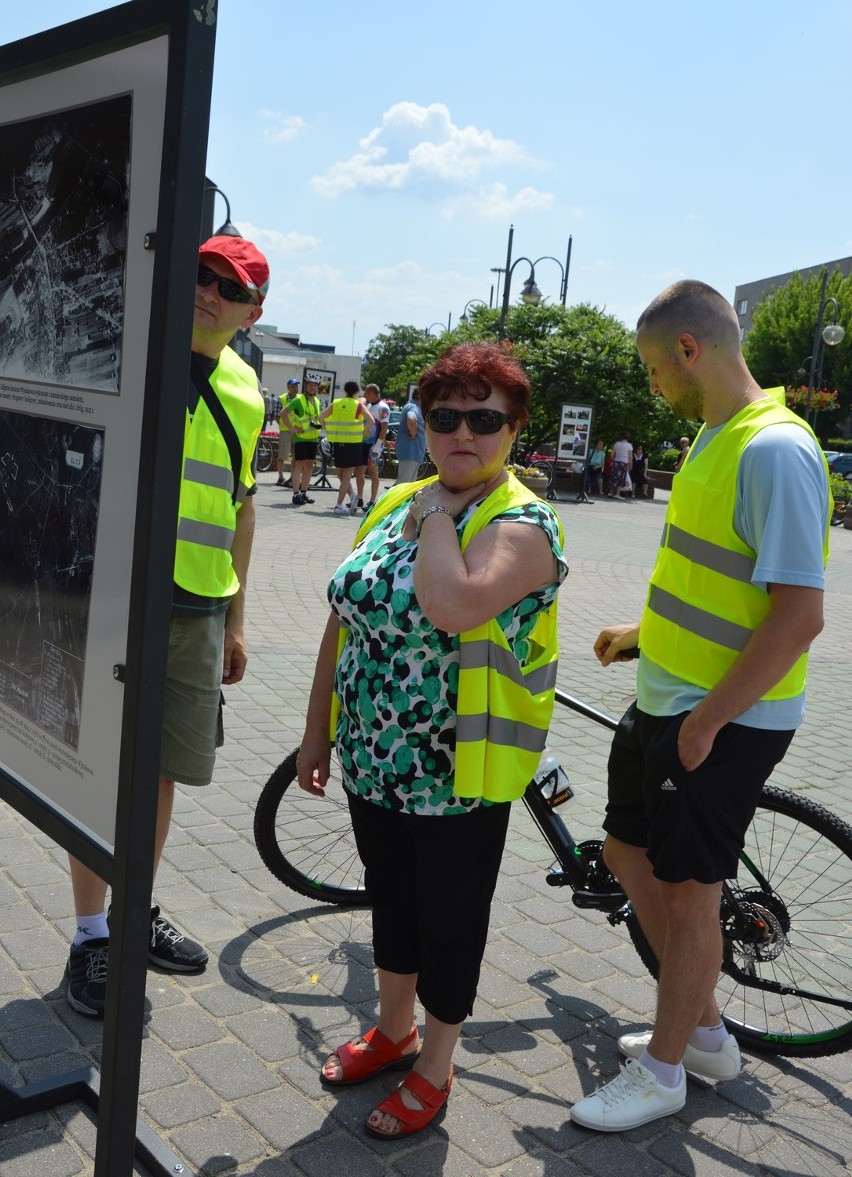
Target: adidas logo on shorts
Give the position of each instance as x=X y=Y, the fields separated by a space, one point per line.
x=668 y=787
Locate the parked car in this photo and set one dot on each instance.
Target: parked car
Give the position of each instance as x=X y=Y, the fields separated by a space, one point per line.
x=841 y=464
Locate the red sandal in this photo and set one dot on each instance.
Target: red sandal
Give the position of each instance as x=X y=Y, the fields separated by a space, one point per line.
x=383 y=1055
x=412 y=1119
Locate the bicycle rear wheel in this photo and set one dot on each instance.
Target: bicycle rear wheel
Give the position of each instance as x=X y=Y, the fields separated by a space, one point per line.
x=547 y=469
x=265 y=454
x=306 y=841
x=791 y=995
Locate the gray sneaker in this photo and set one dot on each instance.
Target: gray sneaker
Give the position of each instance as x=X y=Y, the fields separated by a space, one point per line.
x=631 y=1099
x=709 y=1064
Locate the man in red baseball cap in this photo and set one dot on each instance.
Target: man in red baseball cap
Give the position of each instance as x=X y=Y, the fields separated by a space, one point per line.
x=215 y=527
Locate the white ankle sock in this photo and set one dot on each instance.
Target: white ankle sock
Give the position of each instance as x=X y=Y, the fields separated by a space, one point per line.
x=91 y=927
x=709 y=1038
x=669 y=1074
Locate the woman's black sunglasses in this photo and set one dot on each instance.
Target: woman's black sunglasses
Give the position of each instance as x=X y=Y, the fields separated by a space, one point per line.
x=230 y=290
x=478 y=420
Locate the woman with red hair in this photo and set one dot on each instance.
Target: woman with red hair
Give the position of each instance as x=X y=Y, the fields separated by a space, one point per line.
x=435 y=678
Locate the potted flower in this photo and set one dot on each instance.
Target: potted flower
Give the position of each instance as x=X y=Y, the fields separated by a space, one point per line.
x=530 y=477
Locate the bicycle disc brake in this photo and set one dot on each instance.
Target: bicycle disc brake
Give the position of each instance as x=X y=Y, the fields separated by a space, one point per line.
x=765 y=936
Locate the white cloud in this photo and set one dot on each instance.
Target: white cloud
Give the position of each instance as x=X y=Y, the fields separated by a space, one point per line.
x=322 y=301
x=495 y=202
x=601 y=266
x=281 y=128
x=416 y=144
x=274 y=241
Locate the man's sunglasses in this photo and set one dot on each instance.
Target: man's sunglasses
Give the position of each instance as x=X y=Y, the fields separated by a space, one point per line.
x=478 y=420
x=230 y=290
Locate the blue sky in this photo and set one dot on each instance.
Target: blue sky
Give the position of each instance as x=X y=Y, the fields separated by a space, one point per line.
x=378 y=152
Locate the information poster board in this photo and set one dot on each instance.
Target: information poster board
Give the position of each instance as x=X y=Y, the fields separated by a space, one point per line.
x=79 y=186
x=575 y=429
x=319 y=382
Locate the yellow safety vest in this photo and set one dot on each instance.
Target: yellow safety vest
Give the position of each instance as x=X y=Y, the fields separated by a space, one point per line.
x=702 y=608
x=301 y=410
x=341 y=425
x=207 y=512
x=504 y=709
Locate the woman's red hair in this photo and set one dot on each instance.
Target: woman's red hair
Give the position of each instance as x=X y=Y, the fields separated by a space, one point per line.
x=476 y=370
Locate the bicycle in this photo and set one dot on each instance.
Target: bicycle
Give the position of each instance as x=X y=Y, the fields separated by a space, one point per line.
x=265 y=454
x=786 y=920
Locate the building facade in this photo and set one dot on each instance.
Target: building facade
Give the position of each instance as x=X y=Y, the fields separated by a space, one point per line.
x=748 y=296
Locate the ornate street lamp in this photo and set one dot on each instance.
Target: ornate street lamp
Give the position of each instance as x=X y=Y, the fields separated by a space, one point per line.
x=530 y=294
x=228 y=229
x=471 y=302
x=829 y=335
x=441 y=328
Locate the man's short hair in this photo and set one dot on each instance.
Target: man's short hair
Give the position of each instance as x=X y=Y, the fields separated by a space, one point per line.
x=691 y=308
x=373 y=388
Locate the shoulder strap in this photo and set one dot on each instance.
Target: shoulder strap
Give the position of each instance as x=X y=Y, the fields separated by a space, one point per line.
x=224 y=424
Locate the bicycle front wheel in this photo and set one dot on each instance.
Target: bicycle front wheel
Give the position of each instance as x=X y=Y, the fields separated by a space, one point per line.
x=792 y=993
x=307 y=842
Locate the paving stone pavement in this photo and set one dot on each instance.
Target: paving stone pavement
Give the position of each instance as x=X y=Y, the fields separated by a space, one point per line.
x=230 y=1057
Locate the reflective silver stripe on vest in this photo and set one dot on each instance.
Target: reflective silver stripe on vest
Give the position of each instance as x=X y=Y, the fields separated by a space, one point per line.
x=208 y=474
x=475 y=655
x=207 y=534
x=708 y=555
x=698 y=621
x=509 y=732
x=242 y=491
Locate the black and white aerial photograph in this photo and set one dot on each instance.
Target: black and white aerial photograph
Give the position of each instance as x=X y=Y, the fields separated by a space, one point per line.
x=64 y=186
x=50 y=484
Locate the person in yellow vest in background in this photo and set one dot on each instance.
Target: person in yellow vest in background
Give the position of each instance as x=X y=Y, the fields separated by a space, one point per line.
x=436 y=678
x=344 y=420
x=302 y=416
x=285 y=435
x=734 y=602
x=215 y=527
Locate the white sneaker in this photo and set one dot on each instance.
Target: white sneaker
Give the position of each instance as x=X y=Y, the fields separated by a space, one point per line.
x=353 y=502
x=340 y=509
x=709 y=1064
x=633 y=1098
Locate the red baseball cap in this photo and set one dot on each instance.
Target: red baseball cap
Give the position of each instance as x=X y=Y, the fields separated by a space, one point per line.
x=251 y=266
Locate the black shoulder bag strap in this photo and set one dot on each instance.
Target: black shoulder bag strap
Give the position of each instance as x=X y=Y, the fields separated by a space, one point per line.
x=224 y=424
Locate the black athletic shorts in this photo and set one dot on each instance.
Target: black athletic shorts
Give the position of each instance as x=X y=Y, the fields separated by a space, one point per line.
x=692 y=823
x=304 y=451
x=347 y=454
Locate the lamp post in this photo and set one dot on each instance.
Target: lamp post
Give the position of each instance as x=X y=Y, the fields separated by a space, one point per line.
x=530 y=292
x=428 y=330
x=470 y=302
x=228 y=229
x=830 y=336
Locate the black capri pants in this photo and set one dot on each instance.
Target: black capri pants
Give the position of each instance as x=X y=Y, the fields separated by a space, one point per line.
x=430 y=881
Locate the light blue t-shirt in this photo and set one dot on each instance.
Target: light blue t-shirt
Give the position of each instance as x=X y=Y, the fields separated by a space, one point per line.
x=410 y=449
x=782 y=505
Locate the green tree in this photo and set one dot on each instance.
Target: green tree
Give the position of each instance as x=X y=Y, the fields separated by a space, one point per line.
x=575 y=355
x=782 y=337
x=387 y=357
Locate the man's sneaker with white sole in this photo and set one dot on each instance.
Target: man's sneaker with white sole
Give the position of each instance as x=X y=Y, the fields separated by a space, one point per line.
x=709 y=1064
x=633 y=1098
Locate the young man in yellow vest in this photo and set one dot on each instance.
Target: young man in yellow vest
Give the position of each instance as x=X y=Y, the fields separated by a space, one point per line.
x=215 y=528
x=734 y=602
